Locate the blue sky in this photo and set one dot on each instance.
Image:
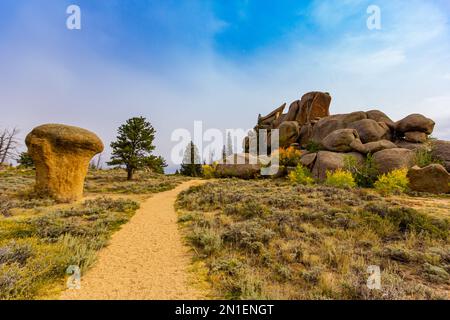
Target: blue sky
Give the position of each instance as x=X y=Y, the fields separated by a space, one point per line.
x=222 y=62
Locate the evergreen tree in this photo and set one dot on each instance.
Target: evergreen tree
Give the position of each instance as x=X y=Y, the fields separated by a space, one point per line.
x=25 y=160
x=134 y=146
x=191 y=165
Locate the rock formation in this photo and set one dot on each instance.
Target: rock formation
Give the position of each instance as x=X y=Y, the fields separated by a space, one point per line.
x=61 y=155
x=392 y=144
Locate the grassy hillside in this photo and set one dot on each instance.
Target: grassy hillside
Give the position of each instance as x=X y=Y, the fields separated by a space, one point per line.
x=270 y=239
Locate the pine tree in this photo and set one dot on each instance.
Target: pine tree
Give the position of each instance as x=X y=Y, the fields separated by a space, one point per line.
x=25 y=160
x=191 y=165
x=134 y=146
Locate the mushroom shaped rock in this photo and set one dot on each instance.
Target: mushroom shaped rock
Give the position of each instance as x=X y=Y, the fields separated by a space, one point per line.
x=61 y=155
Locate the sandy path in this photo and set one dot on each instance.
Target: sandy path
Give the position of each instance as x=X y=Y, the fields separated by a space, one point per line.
x=145 y=260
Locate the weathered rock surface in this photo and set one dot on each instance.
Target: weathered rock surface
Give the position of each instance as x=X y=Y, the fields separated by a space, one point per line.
x=380 y=116
x=61 y=155
x=289 y=132
x=373 y=147
x=391 y=159
x=340 y=140
x=331 y=161
x=308 y=160
x=431 y=179
x=415 y=122
x=441 y=150
x=370 y=130
x=410 y=145
x=416 y=137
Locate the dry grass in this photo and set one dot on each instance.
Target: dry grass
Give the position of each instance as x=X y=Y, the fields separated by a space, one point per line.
x=268 y=239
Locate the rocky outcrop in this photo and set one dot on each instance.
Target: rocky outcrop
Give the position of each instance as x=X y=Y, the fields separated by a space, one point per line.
x=61 y=155
x=391 y=159
x=441 y=150
x=331 y=161
x=431 y=179
x=309 y=125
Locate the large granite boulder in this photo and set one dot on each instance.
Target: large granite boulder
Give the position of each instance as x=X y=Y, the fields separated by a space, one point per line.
x=391 y=159
x=370 y=130
x=441 y=151
x=331 y=161
x=340 y=140
x=61 y=155
x=416 y=137
x=415 y=122
x=431 y=179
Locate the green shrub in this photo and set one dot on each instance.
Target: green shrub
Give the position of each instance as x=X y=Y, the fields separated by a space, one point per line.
x=313 y=146
x=340 y=179
x=365 y=174
x=394 y=182
x=301 y=175
x=206 y=240
x=424 y=157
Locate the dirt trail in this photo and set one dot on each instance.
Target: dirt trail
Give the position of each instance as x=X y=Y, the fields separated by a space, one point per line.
x=145 y=260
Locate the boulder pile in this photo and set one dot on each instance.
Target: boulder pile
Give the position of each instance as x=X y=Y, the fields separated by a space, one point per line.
x=329 y=138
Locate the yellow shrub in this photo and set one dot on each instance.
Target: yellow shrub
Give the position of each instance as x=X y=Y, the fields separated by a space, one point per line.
x=209 y=171
x=290 y=157
x=393 y=182
x=340 y=179
x=301 y=175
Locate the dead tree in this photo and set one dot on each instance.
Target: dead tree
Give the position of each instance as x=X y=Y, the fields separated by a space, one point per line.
x=8 y=144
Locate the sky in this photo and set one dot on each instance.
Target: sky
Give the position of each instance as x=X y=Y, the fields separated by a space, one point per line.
x=220 y=62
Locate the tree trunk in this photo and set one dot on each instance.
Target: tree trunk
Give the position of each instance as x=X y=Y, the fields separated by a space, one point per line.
x=130 y=174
